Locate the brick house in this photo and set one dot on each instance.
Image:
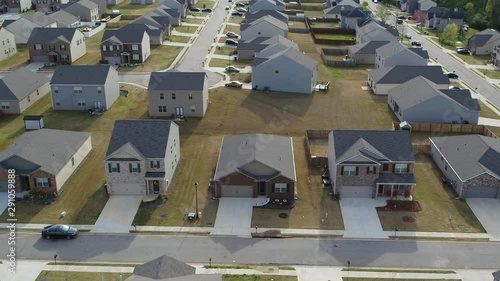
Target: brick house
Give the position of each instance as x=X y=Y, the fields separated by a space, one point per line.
x=370 y=164
x=56 y=45
x=48 y=5
x=44 y=159
x=255 y=165
x=124 y=47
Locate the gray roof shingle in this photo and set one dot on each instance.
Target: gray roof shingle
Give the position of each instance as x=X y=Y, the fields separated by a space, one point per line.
x=63 y=18
x=368 y=47
x=124 y=36
x=44 y=35
x=401 y=73
x=177 y=81
x=270 y=19
x=164 y=267
x=482 y=38
x=260 y=13
x=81 y=74
x=17 y=85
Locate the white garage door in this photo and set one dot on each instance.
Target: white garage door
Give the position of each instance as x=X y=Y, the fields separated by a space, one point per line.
x=126 y=189
x=356 y=192
x=482 y=192
x=237 y=191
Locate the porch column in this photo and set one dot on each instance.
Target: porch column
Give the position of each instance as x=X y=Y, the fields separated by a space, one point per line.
x=147 y=187
x=392 y=190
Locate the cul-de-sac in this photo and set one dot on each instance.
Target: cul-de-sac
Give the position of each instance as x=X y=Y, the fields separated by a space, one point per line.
x=249 y=140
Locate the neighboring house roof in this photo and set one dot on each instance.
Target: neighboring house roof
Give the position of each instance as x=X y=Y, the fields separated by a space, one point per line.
x=421 y=52
x=39 y=18
x=484 y=37
x=18 y=84
x=450 y=14
x=354 y=3
x=81 y=74
x=401 y=73
x=290 y=52
x=45 y=35
x=157 y=21
x=354 y=13
x=373 y=31
x=7 y=22
x=397 y=47
x=85 y=4
x=337 y=9
x=354 y=146
x=177 y=81
x=45 y=149
x=64 y=18
x=148 y=137
x=420 y=89
x=470 y=155
x=123 y=36
x=260 y=13
x=258 y=44
x=165 y=11
x=269 y=19
x=273 y=151
x=368 y=47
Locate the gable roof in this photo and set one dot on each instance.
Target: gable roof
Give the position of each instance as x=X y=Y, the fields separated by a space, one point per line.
x=63 y=18
x=421 y=52
x=355 y=13
x=48 y=149
x=177 y=81
x=86 y=4
x=374 y=32
x=149 y=137
x=396 y=47
x=18 y=84
x=368 y=47
x=164 y=267
x=482 y=38
x=260 y=13
x=44 y=35
x=337 y=9
x=162 y=22
x=151 y=30
x=279 y=50
x=81 y=74
x=123 y=36
x=271 y=150
x=269 y=19
x=470 y=155
x=463 y=97
x=401 y=73
x=258 y=44
x=374 y=145
x=39 y=18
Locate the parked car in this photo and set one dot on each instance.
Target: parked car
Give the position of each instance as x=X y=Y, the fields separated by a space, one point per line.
x=408 y=36
x=419 y=24
x=240 y=4
x=241 y=10
x=235 y=84
x=416 y=43
x=228 y=8
x=232 y=35
x=236 y=14
x=207 y=10
x=401 y=17
x=453 y=88
x=463 y=52
x=195 y=10
x=232 y=69
x=59 y=231
x=399 y=21
x=452 y=75
x=459 y=48
x=231 y=42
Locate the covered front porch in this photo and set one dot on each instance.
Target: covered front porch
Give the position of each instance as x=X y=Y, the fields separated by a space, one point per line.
x=396 y=186
x=155 y=183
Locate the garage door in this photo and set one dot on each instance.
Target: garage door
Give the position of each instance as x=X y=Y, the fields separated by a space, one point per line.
x=126 y=189
x=482 y=192
x=356 y=192
x=3 y=185
x=237 y=191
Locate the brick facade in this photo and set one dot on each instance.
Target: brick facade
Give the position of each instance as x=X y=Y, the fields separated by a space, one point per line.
x=482 y=180
x=59 y=48
x=241 y=179
x=32 y=181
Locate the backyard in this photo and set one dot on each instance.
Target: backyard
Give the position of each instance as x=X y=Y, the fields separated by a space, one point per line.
x=334 y=36
x=296 y=24
x=161 y=58
x=127 y=8
x=17 y=60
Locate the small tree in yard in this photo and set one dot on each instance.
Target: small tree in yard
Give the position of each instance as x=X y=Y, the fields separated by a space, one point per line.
x=364 y=5
x=449 y=35
x=381 y=12
x=419 y=17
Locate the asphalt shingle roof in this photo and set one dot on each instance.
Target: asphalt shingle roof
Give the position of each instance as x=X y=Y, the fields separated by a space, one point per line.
x=16 y=85
x=149 y=137
x=367 y=48
x=47 y=148
x=81 y=74
x=44 y=35
x=63 y=18
x=39 y=18
x=401 y=73
x=292 y=53
x=177 y=81
x=273 y=13
x=462 y=97
x=270 y=19
x=481 y=38
x=164 y=267
x=271 y=150
x=123 y=36
x=470 y=155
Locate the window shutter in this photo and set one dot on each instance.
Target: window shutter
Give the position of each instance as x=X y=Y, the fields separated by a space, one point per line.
x=367 y=170
x=386 y=167
x=118 y=166
x=374 y=170
x=109 y=167
x=342 y=170
x=48 y=179
x=408 y=168
x=152 y=164
x=357 y=171
x=139 y=167
x=130 y=167
x=393 y=168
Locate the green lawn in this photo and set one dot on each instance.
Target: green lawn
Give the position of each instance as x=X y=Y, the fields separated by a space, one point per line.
x=161 y=58
x=186 y=29
x=231 y=277
x=80 y=276
x=127 y=8
x=225 y=51
x=224 y=63
x=296 y=24
x=487 y=112
x=193 y=20
x=493 y=74
x=314 y=14
x=475 y=60
x=84 y=197
x=334 y=36
x=93 y=45
x=17 y=60
x=446 y=45
x=179 y=39
x=202 y=4
x=237 y=20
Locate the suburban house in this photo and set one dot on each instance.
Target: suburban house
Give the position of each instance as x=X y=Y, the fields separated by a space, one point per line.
x=85 y=10
x=65 y=19
x=409 y=6
x=84 y=87
x=374 y=32
x=173 y=15
x=142 y=2
x=284 y=69
x=142 y=157
x=364 y=53
x=254 y=165
x=267 y=26
x=439 y=17
x=48 y=5
x=22 y=27
x=20 y=89
x=496 y=56
x=45 y=159
x=124 y=47
x=248 y=48
x=396 y=53
x=259 y=5
x=335 y=11
x=56 y=45
x=156 y=35
x=8 y=46
x=381 y=80
x=180 y=5
x=16 y=6
x=370 y=164
x=250 y=17
x=349 y=18
x=424 y=5
x=176 y=93
x=484 y=42
x=422 y=101
x=113 y=2
x=479 y=176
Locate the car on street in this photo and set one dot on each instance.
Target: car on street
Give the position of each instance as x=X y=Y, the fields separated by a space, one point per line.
x=232 y=69
x=240 y=4
x=453 y=88
x=231 y=42
x=231 y=34
x=236 y=14
x=195 y=10
x=227 y=8
x=408 y=36
x=402 y=17
x=59 y=231
x=234 y=84
x=241 y=10
x=399 y=21
x=463 y=52
x=416 y=43
x=207 y=10
x=459 y=48
x=451 y=75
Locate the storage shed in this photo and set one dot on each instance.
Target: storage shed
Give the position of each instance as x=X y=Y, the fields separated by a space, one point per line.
x=33 y=122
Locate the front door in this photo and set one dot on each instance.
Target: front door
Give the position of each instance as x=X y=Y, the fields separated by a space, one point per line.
x=262 y=188
x=156 y=187
x=97 y=105
x=380 y=190
x=179 y=111
x=25 y=182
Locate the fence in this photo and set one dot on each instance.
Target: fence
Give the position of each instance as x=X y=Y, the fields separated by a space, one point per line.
x=89 y=29
x=449 y=128
x=298 y=29
x=336 y=63
x=421 y=148
x=333 y=31
x=316 y=161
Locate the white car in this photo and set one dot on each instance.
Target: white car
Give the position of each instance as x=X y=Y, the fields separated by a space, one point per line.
x=231 y=34
x=408 y=36
x=241 y=10
x=232 y=69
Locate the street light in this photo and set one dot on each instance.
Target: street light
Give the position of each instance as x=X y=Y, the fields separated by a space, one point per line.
x=196 y=196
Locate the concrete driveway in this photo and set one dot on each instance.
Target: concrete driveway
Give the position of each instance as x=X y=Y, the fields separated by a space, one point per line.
x=118 y=214
x=486 y=211
x=361 y=219
x=3 y=202
x=234 y=216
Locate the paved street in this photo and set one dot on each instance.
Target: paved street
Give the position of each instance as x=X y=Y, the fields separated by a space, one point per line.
x=141 y=248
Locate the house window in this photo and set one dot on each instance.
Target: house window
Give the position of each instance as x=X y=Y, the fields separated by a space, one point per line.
x=134 y=167
x=280 y=188
x=349 y=170
x=37 y=92
x=64 y=57
x=77 y=90
x=135 y=47
x=72 y=161
x=38 y=47
x=63 y=47
x=42 y=182
x=81 y=103
x=386 y=167
x=5 y=105
x=114 y=167
x=135 y=57
x=155 y=164
x=193 y=108
x=162 y=96
x=99 y=90
x=111 y=47
x=56 y=90
x=58 y=102
x=29 y=99
x=104 y=48
x=173 y=96
x=162 y=108
x=370 y=170
x=400 y=168
x=190 y=96
x=52 y=47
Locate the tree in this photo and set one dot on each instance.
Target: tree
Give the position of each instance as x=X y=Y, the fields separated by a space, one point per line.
x=449 y=35
x=469 y=10
x=402 y=30
x=419 y=16
x=364 y=5
x=382 y=12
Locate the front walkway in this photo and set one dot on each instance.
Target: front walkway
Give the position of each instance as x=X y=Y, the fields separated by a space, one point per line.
x=234 y=216
x=118 y=214
x=487 y=212
x=361 y=219
x=489 y=122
